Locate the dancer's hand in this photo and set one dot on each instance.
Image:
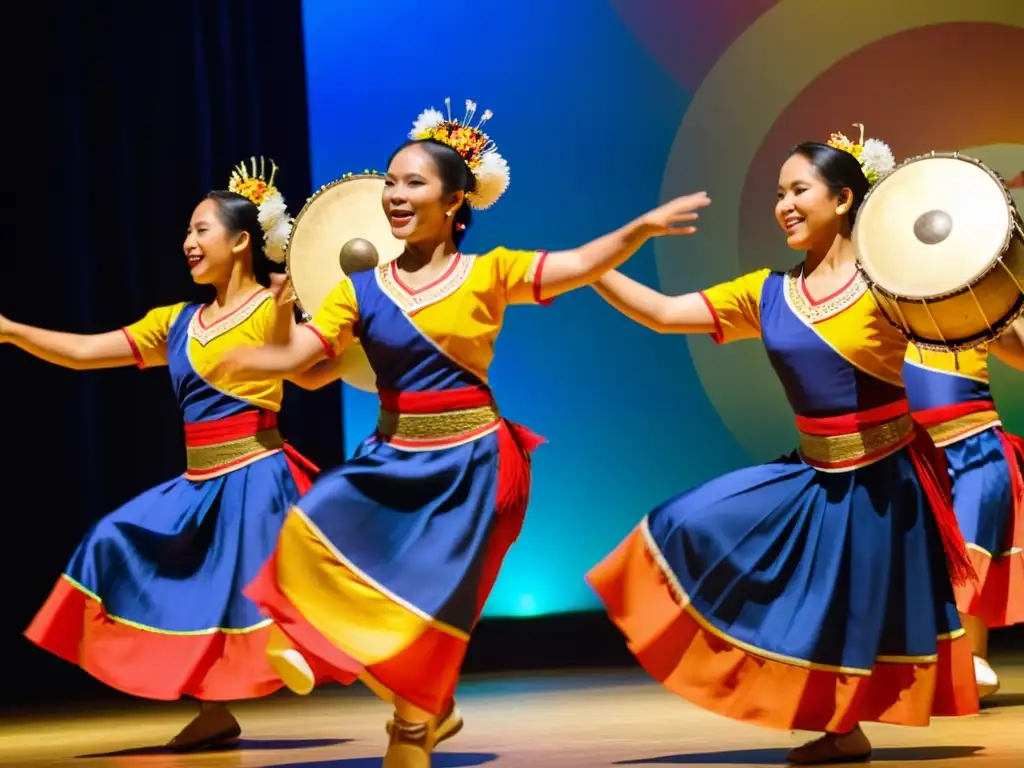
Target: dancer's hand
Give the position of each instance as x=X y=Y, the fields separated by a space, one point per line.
x=672 y=218
x=5 y=330
x=281 y=288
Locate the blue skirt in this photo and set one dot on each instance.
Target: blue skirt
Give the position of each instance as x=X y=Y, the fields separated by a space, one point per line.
x=383 y=568
x=982 y=497
x=982 y=468
x=151 y=602
x=796 y=598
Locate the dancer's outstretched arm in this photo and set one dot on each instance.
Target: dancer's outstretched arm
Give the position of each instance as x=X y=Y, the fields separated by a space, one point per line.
x=80 y=352
x=565 y=271
x=688 y=313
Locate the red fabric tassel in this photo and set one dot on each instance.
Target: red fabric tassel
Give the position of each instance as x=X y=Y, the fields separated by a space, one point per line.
x=303 y=470
x=933 y=474
x=1013 y=448
x=515 y=444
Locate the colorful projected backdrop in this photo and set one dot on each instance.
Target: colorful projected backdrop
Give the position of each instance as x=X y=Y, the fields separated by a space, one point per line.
x=603 y=109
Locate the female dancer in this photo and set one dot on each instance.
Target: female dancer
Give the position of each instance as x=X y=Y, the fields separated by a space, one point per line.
x=950 y=396
x=382 y=569
x=151 y=602
x=810 y=593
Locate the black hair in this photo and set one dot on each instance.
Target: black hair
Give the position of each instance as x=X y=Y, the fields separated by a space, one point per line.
x=455 y=177
x=239 y=214
x=838 y=169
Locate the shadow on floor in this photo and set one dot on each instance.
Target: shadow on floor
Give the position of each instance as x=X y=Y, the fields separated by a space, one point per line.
x=437 y=760
x=1003 y=701
x=897 y=755
x=252 y=745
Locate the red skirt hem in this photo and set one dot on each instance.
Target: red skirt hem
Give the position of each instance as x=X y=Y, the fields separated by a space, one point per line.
x=997 y=598
x=425 y=673
x=677 y=647
x=214 y=666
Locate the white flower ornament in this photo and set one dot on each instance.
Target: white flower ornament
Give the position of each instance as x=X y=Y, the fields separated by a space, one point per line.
x=875 y=157
x=489 y=168
x=274 y=220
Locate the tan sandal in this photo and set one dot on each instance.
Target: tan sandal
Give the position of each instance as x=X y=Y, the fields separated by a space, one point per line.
x=446 y=725
x=213 y=726
x=409 y=745
x=852 y=747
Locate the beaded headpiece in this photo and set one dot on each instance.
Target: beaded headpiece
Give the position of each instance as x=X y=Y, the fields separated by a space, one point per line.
x=253 y=184
x=489 y=169
x=874 y=156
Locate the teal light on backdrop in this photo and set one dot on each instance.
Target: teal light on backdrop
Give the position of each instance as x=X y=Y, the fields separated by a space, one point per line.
x=602 y=109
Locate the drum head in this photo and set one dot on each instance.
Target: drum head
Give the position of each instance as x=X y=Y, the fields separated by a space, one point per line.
x=328 y=230
x=341 y=228
x=932 y=226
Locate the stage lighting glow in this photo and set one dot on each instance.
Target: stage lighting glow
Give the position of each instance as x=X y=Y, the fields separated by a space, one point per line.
x=679 y=99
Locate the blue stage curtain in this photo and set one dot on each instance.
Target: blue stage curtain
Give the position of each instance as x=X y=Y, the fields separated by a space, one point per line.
x=121 y=115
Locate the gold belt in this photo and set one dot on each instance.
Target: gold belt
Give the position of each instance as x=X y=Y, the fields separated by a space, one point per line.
x=824 y=450
x=206 y=459
x=949 y=431
x=436 y=426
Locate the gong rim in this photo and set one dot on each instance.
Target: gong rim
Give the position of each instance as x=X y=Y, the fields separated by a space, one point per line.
x=305 y=310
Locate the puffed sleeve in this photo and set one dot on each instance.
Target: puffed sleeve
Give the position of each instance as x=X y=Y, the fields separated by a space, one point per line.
x=148 y=336
x=519 y=275
x=736 y=306
x=334 y=323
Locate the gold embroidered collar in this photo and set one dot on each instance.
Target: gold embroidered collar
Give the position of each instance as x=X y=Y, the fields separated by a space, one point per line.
x=411 y=300
x=205 y=334
x=815 y=311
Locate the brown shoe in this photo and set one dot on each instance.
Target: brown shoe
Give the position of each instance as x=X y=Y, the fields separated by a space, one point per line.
x=852 y=747
x=213 y=726
x=410 y=745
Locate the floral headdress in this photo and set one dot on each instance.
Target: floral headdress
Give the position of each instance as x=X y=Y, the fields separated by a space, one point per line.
x=273 y=215
x=478 y=150
x=874 y=156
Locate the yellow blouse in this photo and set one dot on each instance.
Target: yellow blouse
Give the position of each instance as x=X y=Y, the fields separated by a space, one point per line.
x=461 y=313
x=971 y=363
x=850 y=321
x=251 y=324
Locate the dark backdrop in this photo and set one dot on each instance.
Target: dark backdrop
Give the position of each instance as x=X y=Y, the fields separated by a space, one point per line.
x=124 y=115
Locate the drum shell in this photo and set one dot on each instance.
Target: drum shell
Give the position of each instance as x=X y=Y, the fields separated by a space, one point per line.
x=972 y=316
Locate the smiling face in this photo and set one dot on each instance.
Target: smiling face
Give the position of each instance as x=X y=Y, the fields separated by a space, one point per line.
x=414 y=197
x=807 y=210
x=210 y=247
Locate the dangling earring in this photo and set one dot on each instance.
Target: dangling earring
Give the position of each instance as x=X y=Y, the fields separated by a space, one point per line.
x=447 y=214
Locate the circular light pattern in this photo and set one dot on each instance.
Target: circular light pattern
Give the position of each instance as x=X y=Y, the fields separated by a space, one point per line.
x=740 y=123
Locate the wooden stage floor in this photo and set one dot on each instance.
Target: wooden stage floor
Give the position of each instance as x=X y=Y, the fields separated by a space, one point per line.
x=610 y=718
